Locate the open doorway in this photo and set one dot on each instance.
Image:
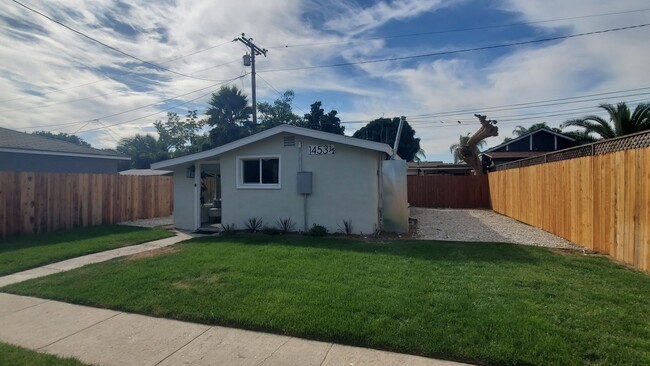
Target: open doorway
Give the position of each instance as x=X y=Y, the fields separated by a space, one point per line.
x=210 y=197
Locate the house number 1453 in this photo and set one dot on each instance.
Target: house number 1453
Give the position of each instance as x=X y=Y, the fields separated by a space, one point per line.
x=321 y=149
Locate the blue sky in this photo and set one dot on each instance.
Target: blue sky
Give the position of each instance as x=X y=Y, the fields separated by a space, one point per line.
x=54 y=79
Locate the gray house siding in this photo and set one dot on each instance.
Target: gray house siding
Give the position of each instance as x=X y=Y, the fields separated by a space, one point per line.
x=345 y=186
x=56 y=164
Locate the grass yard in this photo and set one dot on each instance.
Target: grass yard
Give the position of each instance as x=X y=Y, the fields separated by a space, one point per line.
x=25 y=252
x=488 y=303
x=18 y=356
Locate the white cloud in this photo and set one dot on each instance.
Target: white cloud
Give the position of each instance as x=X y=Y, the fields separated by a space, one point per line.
x=62 y=59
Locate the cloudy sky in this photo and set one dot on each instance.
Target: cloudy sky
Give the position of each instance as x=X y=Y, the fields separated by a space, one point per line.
x=437 y=62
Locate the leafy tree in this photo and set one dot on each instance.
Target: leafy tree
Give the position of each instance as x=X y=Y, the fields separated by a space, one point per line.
x=385 y=130
x=316 y=119
x=229 y=114
x=63 y=137
x=143 y=150
x=278 y=113
x=623 y=122
x=462 y=141
x=179 y=136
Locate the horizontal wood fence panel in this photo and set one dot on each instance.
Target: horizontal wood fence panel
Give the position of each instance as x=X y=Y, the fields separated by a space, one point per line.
x=601 y=202
x=449 y=191
x=32 y=203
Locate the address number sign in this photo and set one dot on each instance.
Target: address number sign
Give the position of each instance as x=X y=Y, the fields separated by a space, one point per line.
x=321 y=149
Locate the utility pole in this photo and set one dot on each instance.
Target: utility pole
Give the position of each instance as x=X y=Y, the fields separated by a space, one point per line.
x=255 y=51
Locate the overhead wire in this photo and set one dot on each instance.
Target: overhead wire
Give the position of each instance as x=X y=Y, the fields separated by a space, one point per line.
x=280 y=94
x=456 y=30
x=107 y=45
x=465 y=50
x=166 y=109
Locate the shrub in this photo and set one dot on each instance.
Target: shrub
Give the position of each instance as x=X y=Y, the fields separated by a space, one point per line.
x=254 y=224
x=228 y=228
x=347 y=227
x=286 y=225
x=318 y=230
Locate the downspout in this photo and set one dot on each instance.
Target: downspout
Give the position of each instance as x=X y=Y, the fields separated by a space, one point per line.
x=380 y=181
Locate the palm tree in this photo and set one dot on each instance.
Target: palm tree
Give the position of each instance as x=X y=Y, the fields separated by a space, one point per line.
x=622 y=121
x=463 y=140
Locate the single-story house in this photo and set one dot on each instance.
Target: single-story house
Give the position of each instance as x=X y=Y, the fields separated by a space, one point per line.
x=24 y=152
x=534 y=143
x=287 y=172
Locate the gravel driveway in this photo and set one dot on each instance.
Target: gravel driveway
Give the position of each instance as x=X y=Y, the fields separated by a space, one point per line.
x=481 y=225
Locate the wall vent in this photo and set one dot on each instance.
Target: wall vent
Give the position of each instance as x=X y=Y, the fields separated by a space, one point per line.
x=290 y=141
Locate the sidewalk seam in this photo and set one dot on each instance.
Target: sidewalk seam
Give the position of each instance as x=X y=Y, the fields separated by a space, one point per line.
x=30 y=306
x=272 y=353
x=183 y=346
x=327 y=354
x=79 y=331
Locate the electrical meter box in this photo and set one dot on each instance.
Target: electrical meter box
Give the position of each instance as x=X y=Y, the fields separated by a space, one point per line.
x=304 y=182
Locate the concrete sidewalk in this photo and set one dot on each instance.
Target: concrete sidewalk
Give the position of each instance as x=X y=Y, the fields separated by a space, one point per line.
x=90 y=258
x=107 y=337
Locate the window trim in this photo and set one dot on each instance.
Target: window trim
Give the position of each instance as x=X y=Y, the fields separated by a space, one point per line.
x=240 y=172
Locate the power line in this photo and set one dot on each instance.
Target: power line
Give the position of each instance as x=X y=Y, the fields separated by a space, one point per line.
x=166 y=109
x=536 y=104
x=105 y=94
x=457 y=30
x=106 y=45
x=280 y=94
x=473 y=110
x=138 y=108
x=443 y=53
x=161 y=111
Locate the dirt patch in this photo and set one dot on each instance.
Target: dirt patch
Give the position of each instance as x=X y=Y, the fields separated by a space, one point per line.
x=152 y=253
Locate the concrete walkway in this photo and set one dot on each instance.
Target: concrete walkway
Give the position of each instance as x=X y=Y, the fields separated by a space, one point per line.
x=107 y=337
x=90 y=258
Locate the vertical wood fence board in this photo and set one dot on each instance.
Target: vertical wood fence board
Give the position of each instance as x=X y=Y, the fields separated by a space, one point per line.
x=33 y=203
x=437 y=191
x=601 y=202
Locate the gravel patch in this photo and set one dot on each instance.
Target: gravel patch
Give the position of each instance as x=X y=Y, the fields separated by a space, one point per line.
x=482 y=225
x=154 y=222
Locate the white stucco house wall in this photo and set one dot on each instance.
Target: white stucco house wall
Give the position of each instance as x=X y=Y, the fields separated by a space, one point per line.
x=258 y=176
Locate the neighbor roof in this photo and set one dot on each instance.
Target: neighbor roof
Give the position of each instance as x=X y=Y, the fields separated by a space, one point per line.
x=145 y=172
x=529 y=134
x=21 y=142
x=346 y=140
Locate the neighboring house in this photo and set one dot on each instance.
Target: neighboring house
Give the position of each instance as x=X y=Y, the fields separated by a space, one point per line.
x=21 y=151
x=309 y=176
x=437 y=168
x=532 y=144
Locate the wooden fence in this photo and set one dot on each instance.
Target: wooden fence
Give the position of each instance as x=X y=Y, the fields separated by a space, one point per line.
x=449 y=191
x=601 y=202
x=32 y=203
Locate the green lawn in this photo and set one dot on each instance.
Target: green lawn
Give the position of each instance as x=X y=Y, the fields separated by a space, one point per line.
x=18 y=356
x=25 y=252
x=479 y=302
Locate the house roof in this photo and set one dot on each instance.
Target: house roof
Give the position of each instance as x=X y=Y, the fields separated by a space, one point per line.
x=546 y=130
x=25 y=143
x=346 y=140
x=145 y=172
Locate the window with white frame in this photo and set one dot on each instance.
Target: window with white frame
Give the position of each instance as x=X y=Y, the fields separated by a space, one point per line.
x=258 y=172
